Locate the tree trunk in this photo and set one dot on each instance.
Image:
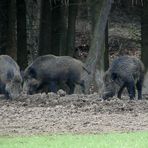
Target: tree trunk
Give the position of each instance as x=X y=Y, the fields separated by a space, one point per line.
x=144 y=35
x=45 y=28
x=106 y=52
x=102 y=9
x=63 y=29
x=58 y=29
x=11 y=49
x=32 y=22
x=72 y=13
x=3 y=25
x=21 y=34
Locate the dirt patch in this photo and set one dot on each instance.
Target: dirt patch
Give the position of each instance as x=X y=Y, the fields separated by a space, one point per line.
x=50 y=113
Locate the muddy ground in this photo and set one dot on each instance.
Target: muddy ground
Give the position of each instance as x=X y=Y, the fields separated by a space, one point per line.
x=52 y=113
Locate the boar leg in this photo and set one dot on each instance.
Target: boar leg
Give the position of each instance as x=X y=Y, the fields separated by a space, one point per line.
x=71 y=86
x=53 y=86
x=131 y=89
x=120 y=91
x=83 y=87
x=139 y=88
x=81 y=83
x=7 y=95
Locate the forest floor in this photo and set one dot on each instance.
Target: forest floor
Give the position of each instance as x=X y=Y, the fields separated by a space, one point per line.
x=51 y=113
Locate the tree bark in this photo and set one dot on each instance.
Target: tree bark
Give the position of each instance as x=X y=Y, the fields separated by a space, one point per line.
x=106 y=52
x=72 y=13
x=11 y=49
x=21 y=34
x=144 y=36
x=33 y=22
x=102 y=9
x=3 y=25
x=45 y=28
x=58 y=29
x=63 y=29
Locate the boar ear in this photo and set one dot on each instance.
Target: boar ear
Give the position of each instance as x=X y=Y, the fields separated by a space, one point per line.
x=114 y=76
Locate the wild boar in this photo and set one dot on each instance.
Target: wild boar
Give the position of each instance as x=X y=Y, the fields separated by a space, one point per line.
x=51 y=70
x=10 y=77
x=126 y=72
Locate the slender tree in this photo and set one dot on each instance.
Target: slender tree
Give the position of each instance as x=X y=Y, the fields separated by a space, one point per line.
x=45 y=28
x=106 y=52
x=3 y=25
x=21 y=34
x=11 y=48
x=144 y=35
x=32 y=24
x=62 y=28
x=72 y=13
x=59 y=28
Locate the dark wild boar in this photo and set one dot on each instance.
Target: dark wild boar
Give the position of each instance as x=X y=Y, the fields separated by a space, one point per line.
x=50 y=70
x=126 y=72
x=10 y=78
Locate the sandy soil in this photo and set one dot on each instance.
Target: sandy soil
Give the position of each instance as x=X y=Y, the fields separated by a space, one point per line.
x=52 y=113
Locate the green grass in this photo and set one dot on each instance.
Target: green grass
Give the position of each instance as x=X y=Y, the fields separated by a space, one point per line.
x=124 y=140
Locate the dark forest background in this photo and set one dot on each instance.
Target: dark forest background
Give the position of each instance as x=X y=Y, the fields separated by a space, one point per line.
x=94 y=31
